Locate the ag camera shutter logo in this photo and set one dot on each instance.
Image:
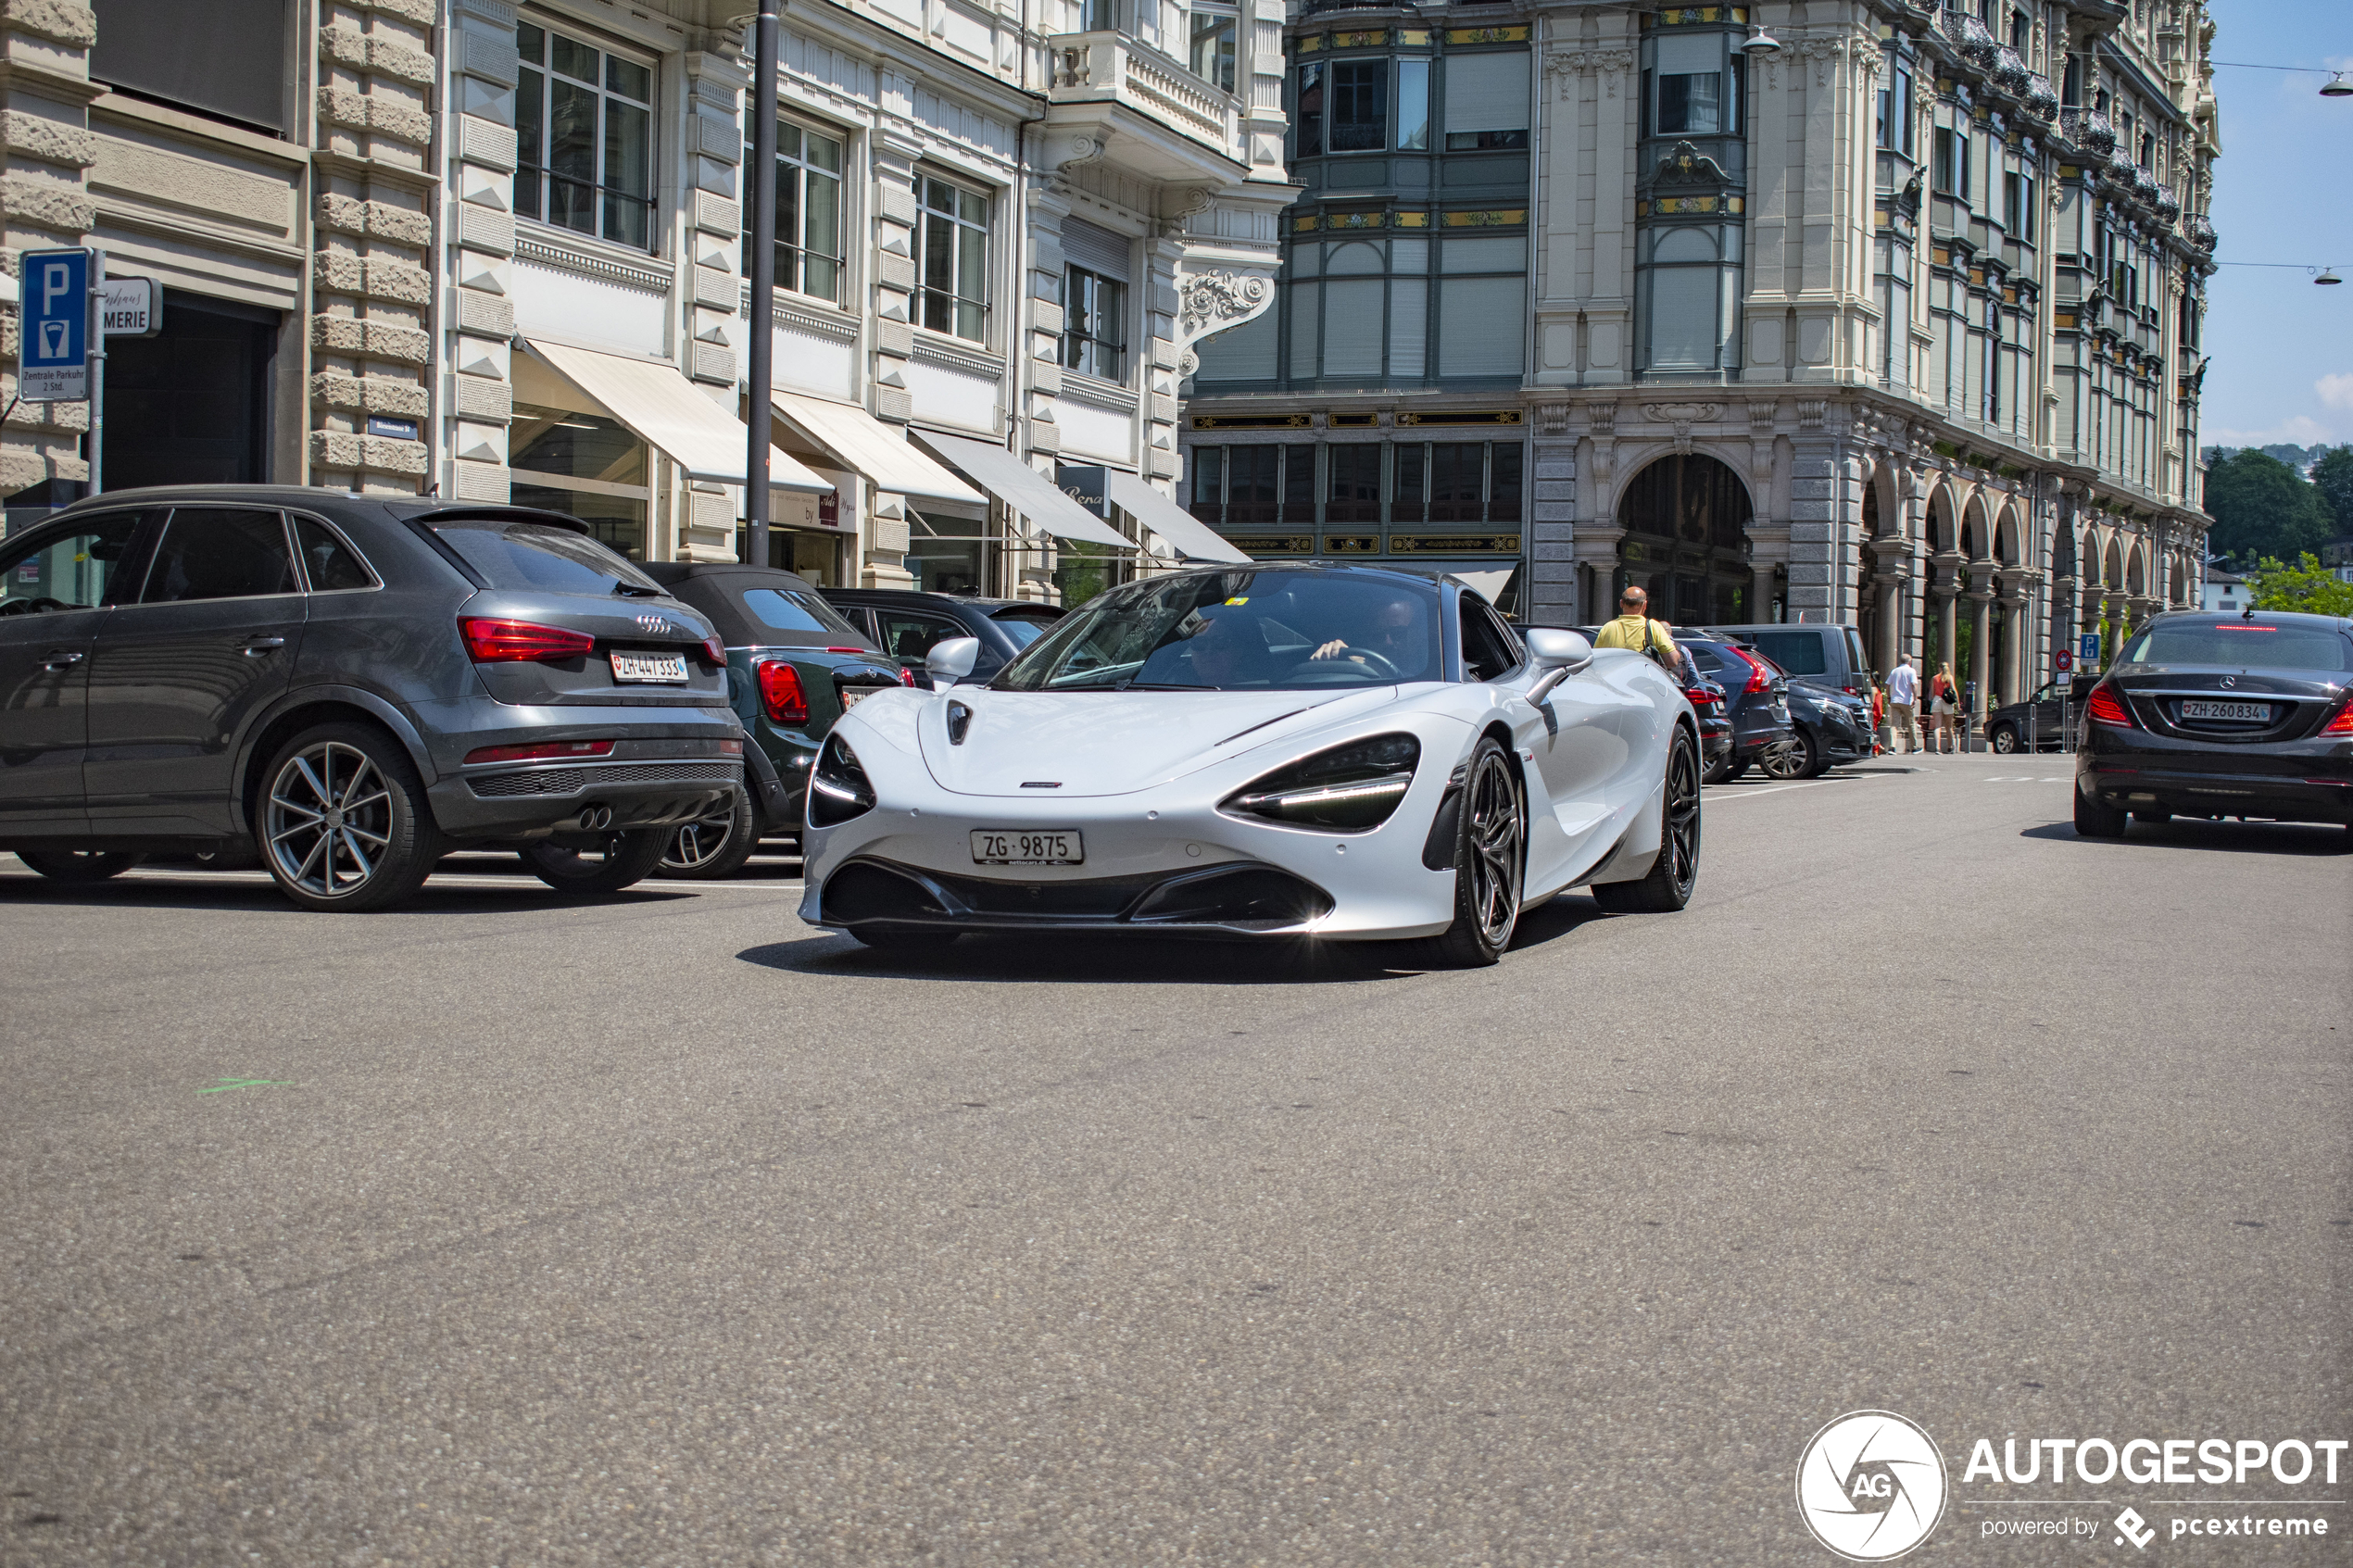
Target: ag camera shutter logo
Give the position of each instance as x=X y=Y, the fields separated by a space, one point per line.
x=1870 y=1486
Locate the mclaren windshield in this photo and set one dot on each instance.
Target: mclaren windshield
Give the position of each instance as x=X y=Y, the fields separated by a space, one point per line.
x=1239 y=631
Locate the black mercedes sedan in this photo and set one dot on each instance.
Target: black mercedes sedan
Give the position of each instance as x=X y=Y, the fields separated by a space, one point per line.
x=2246 y=716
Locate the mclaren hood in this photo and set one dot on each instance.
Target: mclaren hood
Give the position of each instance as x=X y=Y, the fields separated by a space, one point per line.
x=1070 y=744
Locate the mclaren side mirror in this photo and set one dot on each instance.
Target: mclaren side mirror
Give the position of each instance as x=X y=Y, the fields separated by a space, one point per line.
x=952 y=660
x=1559 y=654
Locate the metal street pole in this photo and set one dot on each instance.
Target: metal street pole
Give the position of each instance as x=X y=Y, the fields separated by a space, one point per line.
x=762 y=177
x=97 y=347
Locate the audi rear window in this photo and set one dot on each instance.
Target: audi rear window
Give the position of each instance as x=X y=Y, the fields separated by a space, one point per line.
x=799 y=619
x=2244 y=645
x=524 y=554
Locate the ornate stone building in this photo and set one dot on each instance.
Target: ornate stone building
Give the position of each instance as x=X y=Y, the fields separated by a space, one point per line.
x=1847 y=311
x=496 y=250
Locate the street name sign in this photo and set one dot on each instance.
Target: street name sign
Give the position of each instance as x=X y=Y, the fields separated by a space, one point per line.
x=131 y=307
x=54 y=291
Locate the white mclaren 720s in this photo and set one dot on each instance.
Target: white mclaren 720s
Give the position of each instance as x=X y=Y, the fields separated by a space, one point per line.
x=1283 y=751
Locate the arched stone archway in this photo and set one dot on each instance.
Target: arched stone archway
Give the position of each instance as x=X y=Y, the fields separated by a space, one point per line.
x=1686 y=518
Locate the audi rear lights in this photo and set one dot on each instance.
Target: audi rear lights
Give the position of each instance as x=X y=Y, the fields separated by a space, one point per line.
x=1351 y=788
x=520 y=642
x=2107 y=707
x=782 y=696
x=540 y=751
x=838 y=788
x=715 y=652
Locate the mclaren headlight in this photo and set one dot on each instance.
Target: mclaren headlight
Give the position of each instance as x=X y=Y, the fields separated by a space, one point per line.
x=1351 y=788
x=838 y=788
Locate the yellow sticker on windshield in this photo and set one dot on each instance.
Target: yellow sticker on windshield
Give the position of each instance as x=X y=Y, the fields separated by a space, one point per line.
x=1240 y=601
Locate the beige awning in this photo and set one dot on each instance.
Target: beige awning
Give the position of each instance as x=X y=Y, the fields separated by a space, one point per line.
x=867 y=445
x=1025 y=489
x=661 y=408
x=1193 y=539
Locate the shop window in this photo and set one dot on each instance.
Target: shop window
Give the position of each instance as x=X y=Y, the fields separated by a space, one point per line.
x=951 y=259
x=1254 y=482
x=1211 y=30
x=808 y=253
x=1094 y=325
x=1457 y=482
x=1208 y=467
x=1299 y=485
x=948 y=555
x=584 y=129
x=1254 y=486
x=586 y=465
x=1353 y=483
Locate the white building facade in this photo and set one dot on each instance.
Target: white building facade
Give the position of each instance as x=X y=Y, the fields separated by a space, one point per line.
x=497 y=252
x=1854 y=310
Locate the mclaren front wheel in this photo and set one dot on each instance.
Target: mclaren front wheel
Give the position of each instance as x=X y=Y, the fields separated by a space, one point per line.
x=1491 y=843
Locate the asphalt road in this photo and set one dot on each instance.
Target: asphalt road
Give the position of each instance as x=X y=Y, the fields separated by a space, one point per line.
x=669 y=1231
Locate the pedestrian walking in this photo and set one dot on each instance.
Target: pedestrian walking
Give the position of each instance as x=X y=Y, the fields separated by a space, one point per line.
x=1635 y=629
x=1903 y=707
x=1943 y=708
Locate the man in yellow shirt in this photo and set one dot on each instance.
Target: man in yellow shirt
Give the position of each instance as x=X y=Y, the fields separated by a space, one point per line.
x=1635 y=629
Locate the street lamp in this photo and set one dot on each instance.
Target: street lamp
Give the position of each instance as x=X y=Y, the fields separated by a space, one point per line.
x=1760 y=44
x=2337 y=87
x=2327 y=275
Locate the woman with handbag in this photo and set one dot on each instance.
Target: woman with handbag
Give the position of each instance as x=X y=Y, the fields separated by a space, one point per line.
x=1944 y=707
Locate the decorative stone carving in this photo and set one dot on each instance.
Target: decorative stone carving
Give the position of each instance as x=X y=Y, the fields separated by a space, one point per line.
x=1679 y=413
x=1567 y=65
x=1213 y=302
x=1552 y=419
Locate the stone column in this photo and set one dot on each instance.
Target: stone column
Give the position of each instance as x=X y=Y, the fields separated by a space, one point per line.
x=479 y=310
x=1550 y=596
x=44 y=205
x=373 y=263
x=1981 y=602
x=715 y=131
x=883 y=532
x=1948 y=629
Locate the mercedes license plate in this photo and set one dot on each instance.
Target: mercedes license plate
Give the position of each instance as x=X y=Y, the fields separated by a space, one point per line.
x=665 y=668
x=996 y=847
x=2248 y=712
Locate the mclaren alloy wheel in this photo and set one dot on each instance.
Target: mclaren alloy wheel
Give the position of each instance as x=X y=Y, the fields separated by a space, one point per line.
x=1675 y=871
x=1490 y=858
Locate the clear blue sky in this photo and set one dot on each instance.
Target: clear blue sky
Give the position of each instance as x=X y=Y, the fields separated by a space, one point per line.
x=2283 y=349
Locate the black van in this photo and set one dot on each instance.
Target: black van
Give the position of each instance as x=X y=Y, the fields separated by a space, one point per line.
x=1819 y=655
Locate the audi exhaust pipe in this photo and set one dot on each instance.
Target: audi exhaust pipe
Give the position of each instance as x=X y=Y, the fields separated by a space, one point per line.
x=595 y=818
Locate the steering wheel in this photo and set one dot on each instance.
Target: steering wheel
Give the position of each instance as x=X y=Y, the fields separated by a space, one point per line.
x=32 y=606
x=1371 y=660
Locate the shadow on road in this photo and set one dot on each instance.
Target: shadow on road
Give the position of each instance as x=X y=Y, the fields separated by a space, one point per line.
x=1139 y=959
x=2192 y=832
x=254 y=894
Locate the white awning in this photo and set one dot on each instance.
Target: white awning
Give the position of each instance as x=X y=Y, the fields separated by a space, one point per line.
x=873 y=448
x=1193 y=539
x=662 y=408
x=1489 y=585
x=1025 y=489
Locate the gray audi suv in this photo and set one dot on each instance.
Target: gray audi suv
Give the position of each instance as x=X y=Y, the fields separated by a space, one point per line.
x=347 y=687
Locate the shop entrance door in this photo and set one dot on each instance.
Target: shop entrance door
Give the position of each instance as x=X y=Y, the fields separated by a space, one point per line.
x=191 y=406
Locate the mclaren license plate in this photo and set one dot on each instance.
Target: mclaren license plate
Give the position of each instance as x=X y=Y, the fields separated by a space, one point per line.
x=2245 y=712
x=993 y=847
x=664 y=668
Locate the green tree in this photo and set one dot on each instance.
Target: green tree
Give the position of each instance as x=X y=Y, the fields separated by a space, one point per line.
x=2308 y=586
x=2261 y=507
x=2332 y=476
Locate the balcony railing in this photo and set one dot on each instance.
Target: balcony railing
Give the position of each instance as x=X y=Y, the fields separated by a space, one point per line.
x=1114 y=66
x=2198 y=230
x=2090 y=129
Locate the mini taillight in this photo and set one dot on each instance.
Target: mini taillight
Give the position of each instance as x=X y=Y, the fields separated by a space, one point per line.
x=519 y=642
x=2107 y=707
x=906 y=676
x=540 y=751
x=2343 y=723
x=781 y=697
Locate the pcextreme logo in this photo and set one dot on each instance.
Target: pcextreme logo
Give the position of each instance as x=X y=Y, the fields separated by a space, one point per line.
x=1870 y=1486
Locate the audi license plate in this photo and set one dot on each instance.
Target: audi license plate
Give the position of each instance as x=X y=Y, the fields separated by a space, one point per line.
x=662 y=667
x=2247 y=712
x=991 y=847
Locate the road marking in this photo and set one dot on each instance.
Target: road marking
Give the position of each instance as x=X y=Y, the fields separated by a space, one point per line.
x=462 y=879
x=221 y=1086
x=1814 y=784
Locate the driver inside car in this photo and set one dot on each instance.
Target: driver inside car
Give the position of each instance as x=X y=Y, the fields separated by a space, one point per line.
x=1393 y=633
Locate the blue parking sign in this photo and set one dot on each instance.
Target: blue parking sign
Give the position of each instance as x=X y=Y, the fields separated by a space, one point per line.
x=54 y=295
x=2087 y=647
